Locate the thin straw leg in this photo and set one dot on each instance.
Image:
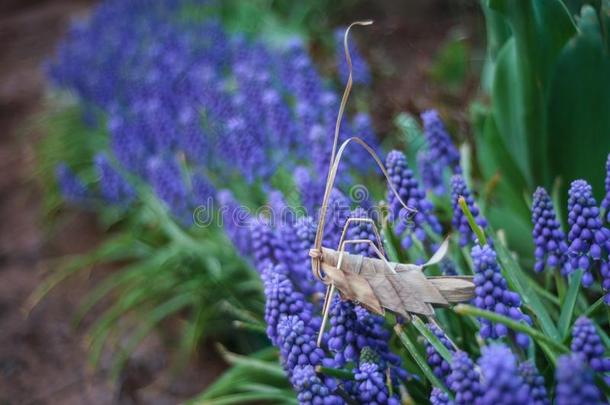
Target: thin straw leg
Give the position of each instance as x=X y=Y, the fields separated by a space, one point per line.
x=330 y=291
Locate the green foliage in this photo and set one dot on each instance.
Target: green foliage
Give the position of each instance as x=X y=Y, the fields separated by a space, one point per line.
x=451 y=64
x=165 y=270
x=257 y=377
x=547 y=73
x=578 y=102
x=280 y=20
x=67 y=139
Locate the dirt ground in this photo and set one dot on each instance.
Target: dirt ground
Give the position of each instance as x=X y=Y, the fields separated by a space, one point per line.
x=403 y=43
x=43 y=359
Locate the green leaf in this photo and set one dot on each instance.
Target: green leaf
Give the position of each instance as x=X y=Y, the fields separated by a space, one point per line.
x=103 y=325
x=450 y=66
x=498 y=32
x=518 y=281
x=419 y=359
x=250 y=397
x=464 y=309
x=128 y=274
x=433 y=339
x=567 y=307
x=238 y=375
x=119 y=247
x=273 y=369
x=412 y=135
x=253 y=327
x=579 y=96
x=505 y=207
x=146 y=325
x=540 y=29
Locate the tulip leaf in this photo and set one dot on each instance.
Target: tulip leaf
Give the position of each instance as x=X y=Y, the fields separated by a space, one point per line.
x=579 y=105
x=540 y=30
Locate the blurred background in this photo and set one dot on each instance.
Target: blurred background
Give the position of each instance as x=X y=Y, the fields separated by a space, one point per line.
x=65 y=337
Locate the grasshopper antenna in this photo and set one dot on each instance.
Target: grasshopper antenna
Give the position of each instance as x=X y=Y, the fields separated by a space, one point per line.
x=336 y=155
x=346 y=92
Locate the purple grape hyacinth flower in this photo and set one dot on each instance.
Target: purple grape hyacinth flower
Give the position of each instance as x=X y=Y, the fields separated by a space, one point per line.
x=363 y=231
x=575 y=383
x=71 y=187
x=202 y=191
x=336 y=216
x=165 y=176
x=551 y=247
x=492 y=294
x=310 y=389
x=464 y=380
x=448 y=267
x=439 y=397
x=587 y=342
x=370 y=386
x=342 y=336
x=297 y=346
x=264 y=241
x=352 y=329
x=606 y=201
x=361 y=73
x=502 y=383
x=413 y=196
x=535 y=381
x=281 y=299
x=373 y=334
x=440 y=366
x=236 y=222
x=460 y=222
x=216 y=99
x=113 y=186
x=311 y=189
x=305 y=232
x=440 y=153
x=362 y=127
x=589 y=241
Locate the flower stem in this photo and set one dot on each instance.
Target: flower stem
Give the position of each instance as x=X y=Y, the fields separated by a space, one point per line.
x=473 y=225
x=464 y=309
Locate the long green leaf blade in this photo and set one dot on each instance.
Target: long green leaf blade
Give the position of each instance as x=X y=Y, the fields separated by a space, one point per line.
x=419 y=359
x=464 y=309
x=516 y=279
x=433 y=339
x=567 y=309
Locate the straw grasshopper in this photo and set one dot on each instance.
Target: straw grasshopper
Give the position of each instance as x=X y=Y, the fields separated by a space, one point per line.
x=376 y=283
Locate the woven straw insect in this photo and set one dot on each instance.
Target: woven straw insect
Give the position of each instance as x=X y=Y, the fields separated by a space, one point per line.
x=376 y=283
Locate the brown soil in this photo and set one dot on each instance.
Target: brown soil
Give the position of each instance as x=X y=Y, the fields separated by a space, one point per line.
x=403 y=43
x=42 y=355
x=43 y=358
